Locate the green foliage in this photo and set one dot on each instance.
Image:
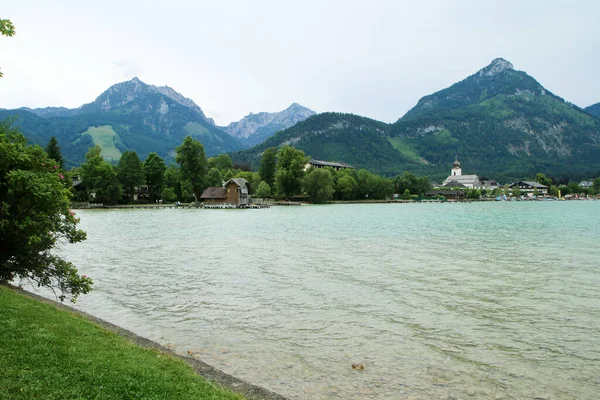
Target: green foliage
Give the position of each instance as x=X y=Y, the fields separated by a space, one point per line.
x=347 y=187
x=192 y=159
x=35 y=217
x=168 y=195
x=100 y=178
x=263 y=191
x=53 y=151
x=214 y=178
x=130 y=172
x=154 y=171
x=564 y=190
x=574 y=187
x=48 y=353
x=474 y=194
x=6 y=29
x=290 y=171
x=268 y=164
x=222 y=162
x=406 y=195
x=318 y=185
x=542 y=179
x=516 y=191
x=414 y=184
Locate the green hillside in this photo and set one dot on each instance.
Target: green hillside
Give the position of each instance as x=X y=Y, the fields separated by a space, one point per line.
x=502 y=124
x=358 y=141
x=593 y=110
x=105 y=137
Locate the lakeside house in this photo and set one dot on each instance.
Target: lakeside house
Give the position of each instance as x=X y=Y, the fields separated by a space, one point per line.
x=528 y=187
x=457 y=180
x=323 y=164
x=586 y=184
x=234 y=191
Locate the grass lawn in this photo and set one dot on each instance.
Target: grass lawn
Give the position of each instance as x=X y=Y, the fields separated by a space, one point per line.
x=104 y=137
x=47 y=353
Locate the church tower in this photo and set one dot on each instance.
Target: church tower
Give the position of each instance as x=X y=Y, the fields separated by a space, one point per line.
x=456 y=171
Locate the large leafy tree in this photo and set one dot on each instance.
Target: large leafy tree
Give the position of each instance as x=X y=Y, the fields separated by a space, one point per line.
x=268 y=164
x=290 y=171
x=130 y=172
x=192 y=159
x=100 y=178
x=6 y=29
x=35 y=217
x=347 y=186
x=222 y=162
x=154 y=170
x=53 y=151
x=318 y=185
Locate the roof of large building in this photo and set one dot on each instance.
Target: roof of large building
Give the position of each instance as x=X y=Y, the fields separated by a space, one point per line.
x=214 y=193
x=330 y=164
x=453 y=183
x=533 y=184
x=463 y=179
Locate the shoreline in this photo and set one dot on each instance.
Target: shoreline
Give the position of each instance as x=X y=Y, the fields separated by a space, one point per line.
x=207 y=371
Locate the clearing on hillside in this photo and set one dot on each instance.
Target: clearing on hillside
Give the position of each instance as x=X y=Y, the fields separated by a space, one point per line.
x=105 y=137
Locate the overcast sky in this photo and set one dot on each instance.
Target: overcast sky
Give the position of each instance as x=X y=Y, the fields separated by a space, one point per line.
x=372 y=58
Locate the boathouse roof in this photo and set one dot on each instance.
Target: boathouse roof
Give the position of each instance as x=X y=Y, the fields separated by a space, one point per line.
x=214 y=193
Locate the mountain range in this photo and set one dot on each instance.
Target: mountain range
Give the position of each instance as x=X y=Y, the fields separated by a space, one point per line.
x=133 y=115
x=500 y=122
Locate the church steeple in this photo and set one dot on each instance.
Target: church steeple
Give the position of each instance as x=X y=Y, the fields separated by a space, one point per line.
x=456 y=170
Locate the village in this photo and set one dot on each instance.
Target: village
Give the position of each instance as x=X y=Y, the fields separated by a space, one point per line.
x=235 y=193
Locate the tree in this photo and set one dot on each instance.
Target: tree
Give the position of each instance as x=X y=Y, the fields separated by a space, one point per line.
x=168 y=195
x=318 y=184
x=290 y=171
x=154 y=171
x=6 y=29
x=34 y=217
x=268 y=164
x=100 y=178
x=347 y=186
x=192 y=159
x=214 y=177
x=542 y=179
x=264 y=190
x=222 y=162
x=53 y=151
x=130 y=172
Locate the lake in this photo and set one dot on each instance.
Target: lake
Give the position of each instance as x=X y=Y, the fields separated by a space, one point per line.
x=480 y=300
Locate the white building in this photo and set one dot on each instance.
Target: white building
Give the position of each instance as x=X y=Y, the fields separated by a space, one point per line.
x=456 y=176
x=457 y=179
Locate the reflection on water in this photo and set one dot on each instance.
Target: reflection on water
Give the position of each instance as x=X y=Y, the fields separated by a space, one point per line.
x=436 y=300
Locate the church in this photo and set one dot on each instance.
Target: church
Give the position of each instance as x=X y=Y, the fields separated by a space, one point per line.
x=457 y=179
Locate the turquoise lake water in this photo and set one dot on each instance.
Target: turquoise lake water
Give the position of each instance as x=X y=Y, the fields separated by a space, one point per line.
x=481 y=300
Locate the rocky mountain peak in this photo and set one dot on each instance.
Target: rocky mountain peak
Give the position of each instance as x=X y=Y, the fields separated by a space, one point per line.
x=497 y=66
x=254 y=128
x=123 y=93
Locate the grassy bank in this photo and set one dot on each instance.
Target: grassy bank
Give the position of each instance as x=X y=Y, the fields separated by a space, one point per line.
x=47 y=353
